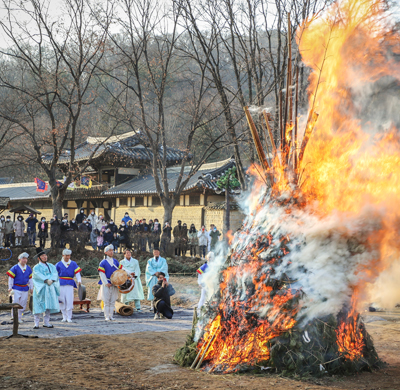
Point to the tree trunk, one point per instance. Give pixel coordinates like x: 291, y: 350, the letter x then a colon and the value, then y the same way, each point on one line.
x: 169, y: 205
x: 57, y: 198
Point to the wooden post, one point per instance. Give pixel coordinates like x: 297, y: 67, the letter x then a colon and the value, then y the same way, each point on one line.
x: 15, y: 321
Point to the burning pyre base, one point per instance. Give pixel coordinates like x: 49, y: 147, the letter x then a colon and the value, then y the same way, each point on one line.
x: 255, y: 321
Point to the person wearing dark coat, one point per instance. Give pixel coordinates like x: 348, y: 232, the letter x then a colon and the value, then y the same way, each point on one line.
x: 166, y: 237
x: 64, y: 228
x: 31, y: 222
x: 107, y: 237
x: 81, y: 216
x: 136, y: 234
x: 84, y: 233
x: 113, y: 227
x: 145, y: 235
x: 162, y: 299
x: 123, y: 233
x: 73, y: 225
x: 55, y: 232
x: 43, y: 232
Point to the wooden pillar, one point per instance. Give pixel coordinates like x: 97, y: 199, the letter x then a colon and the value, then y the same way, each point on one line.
x: 15, y: 321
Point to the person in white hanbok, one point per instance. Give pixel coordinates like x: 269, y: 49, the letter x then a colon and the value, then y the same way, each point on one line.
x: 132, y: 266
x: 201, y: 275
x: 155, y: 264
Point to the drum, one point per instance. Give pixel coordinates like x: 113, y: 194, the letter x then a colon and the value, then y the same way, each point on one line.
x: 127, y: 286
x: 82, y: 292
x: 119, y: 277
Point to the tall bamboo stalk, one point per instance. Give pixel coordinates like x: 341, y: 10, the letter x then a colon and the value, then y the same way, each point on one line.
x: 260, y: 151
x: 296, y: 123
x: 271, y: 138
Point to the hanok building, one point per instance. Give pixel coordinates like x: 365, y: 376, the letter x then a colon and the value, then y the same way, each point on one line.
x: 121, y: 182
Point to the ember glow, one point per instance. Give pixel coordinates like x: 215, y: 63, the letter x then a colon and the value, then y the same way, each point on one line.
x: 326, y: 229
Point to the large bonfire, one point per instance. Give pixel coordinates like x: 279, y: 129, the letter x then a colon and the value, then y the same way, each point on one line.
x: 322, y: 217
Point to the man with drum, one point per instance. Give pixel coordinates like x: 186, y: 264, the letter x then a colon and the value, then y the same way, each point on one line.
x: 67, y: 269
x: 108, y: 292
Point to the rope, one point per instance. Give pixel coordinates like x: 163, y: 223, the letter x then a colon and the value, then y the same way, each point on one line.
x: 10, y: 254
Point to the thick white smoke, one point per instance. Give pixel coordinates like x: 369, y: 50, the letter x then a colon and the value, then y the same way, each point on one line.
x: 329, y: 255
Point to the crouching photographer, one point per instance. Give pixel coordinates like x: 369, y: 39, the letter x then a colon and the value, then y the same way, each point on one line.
x: 162, y: 293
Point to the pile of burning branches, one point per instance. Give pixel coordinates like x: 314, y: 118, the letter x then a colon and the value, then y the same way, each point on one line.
x: 320, y: 224
x: 256, y: 320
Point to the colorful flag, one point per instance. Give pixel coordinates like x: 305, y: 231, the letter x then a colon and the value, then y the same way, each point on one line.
x: 41, y: 186
x: 86, y: 182
x: 59, y: 183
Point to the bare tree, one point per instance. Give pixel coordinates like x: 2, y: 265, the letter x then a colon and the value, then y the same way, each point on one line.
x: 47, y: 81
x: 155, y: 89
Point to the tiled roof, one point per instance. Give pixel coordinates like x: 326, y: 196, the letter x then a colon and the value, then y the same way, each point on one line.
x: 20, y: 191
x: 146, y: 184
x: 131, y: 147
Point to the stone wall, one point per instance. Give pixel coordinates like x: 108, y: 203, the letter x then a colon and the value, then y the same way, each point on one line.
x: 217, y: 218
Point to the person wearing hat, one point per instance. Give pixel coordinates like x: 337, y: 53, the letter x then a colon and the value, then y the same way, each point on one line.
x: 136, y: 295
x: 46, y: 290
x: 108, y: 292
x: 20, y: 282
x: 67, y: 269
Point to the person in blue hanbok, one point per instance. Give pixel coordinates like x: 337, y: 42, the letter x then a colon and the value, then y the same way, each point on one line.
x: 131, y: 265
x: 46, y: 290
x: 155, y: 264
x: 108, y: 293
x: 67, y: 270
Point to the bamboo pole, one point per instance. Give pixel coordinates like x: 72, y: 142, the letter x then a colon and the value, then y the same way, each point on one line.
x: 290, y: 105
x: 296, y: 108
x: 197, y: 357
x: 207, y: 347
x: 281, y: 130
x: 288, y: 100
x: 260, y: 151
x: 312, y: 119
x: 271, y: 138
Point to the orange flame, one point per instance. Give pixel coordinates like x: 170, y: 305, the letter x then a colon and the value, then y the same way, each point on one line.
x: 350, y: 339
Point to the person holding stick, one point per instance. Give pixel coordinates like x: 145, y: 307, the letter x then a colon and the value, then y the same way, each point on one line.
x: 20, y: 282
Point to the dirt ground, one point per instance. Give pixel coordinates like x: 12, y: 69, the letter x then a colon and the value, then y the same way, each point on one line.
x: 145, y: 361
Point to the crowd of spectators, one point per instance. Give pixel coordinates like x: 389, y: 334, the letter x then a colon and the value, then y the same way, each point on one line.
x: 94, y: 230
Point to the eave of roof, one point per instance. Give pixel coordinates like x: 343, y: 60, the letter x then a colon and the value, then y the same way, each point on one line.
x: 145, y: 185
